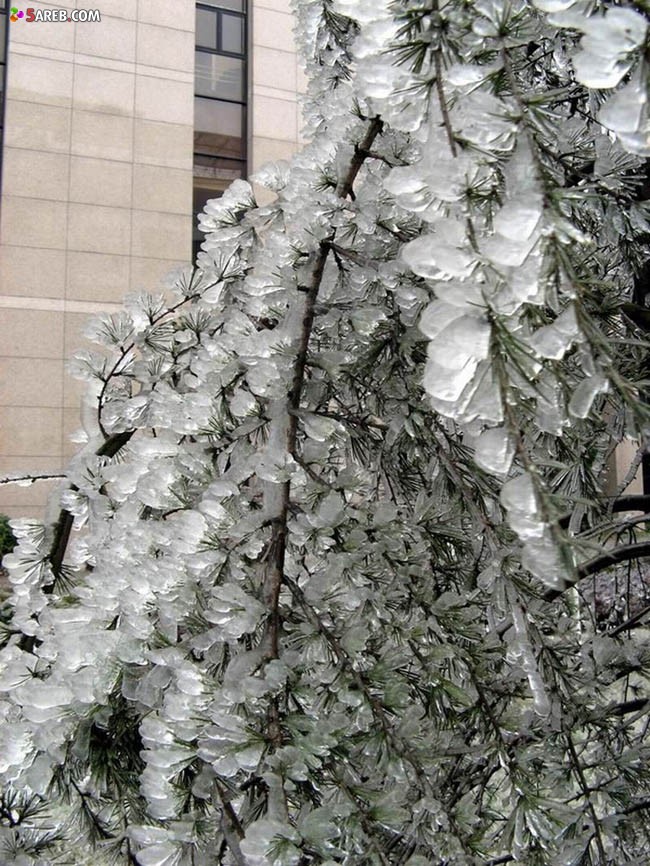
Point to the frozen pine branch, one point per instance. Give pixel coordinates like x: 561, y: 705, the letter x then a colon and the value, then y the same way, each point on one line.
x: 324, y: 587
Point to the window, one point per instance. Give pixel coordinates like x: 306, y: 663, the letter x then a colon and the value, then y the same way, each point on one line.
x: 220, y: 90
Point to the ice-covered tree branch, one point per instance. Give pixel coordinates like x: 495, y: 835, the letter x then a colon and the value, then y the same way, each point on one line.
x: 344, y: 522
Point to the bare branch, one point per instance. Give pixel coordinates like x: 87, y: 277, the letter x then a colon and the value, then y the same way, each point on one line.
x: 631, y: 622
x: 21, y: 479
x: 600, y: 563
x: 633, y: 469
x: 442, y: 99
x: 65, y: 522
x: 230, y: 824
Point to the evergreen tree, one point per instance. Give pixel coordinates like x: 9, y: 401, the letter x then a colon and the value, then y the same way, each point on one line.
x: 324, y: 585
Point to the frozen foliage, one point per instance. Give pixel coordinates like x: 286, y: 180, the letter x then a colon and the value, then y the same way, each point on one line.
x: 315, y: 592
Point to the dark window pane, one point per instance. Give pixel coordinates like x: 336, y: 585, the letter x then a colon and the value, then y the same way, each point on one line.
x: 206, y: 28
x: 211, y: 178
x: 202, y: 194
x: 232, y: 34
x: 221, y: 167
x: 219, y: 128
x: 233, y: 5
x: 218, y: 76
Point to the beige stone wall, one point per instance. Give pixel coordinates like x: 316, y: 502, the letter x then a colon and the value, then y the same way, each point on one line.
x: 619, y: 467
x: 97, y: 191
x: 97, y: 197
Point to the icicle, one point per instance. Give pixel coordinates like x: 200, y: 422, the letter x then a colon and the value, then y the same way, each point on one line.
x: 495, y: 450
x: 555, y: 340
x: 525, y: 651
x: 585, y: 393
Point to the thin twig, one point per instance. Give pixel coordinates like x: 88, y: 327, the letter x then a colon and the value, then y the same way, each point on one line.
x: 600, y: 563
x: 577, y: 768
x: 17, y: 479
x: 633, y: 469
x: 444, y: 110
x: 630, y: 622
x: 230, y: 825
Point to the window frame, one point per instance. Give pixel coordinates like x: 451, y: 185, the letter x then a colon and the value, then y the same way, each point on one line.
x: 219, y: 4
x: 244, y: 57
x: 238, y: 162
x: 218, y: 15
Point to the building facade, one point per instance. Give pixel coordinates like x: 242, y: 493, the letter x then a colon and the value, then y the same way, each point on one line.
x: 115, y: 133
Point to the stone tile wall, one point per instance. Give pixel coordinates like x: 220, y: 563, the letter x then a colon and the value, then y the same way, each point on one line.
x: 97, y: 191
x: 96, y: 202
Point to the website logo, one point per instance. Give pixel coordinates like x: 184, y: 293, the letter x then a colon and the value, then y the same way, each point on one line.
x: 38, y: 15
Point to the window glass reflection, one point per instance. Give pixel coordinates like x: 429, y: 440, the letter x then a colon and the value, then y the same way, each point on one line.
x: 220, y: 77
x: 219, y: 128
